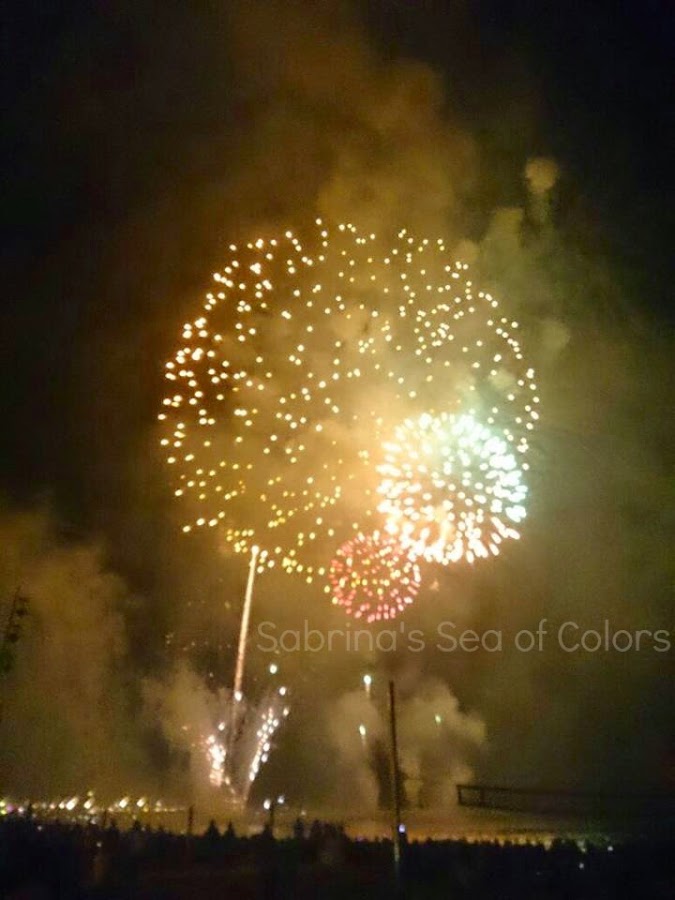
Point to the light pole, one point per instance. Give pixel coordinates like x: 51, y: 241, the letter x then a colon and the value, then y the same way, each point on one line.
x: 270, y: 806
x: 396, y: 777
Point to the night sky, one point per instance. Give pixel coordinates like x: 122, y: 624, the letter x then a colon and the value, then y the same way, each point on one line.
x: 141, y: 139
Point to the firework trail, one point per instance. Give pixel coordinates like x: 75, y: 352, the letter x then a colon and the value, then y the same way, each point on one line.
x: 245, y: 616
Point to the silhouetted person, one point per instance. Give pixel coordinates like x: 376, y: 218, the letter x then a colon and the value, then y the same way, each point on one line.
x: 211, y: 839
x: 299, y: 829
x: 268, y: 863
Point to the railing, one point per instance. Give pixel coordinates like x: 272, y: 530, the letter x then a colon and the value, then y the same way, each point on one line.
x: 543, y: 800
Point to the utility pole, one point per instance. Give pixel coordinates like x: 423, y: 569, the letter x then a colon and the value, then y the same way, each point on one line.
x: 18, y: 609
x: 396, y: 778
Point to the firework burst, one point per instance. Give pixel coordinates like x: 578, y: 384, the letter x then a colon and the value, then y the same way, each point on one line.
x: 311, y: 360
x: 452, y: 489
x: 373, y: 577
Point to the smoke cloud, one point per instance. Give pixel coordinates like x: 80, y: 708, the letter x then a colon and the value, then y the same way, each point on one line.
x: 68, y: 702
x: 211, y: 127
x: 439, y: 745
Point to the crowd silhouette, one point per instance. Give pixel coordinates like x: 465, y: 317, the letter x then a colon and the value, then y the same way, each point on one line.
x: 44, y: 860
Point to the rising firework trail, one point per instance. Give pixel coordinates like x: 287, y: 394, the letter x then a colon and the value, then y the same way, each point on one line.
x: 237, y: 695
x: 245, y: 616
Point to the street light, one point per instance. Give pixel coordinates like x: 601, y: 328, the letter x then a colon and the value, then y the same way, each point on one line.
x: 270, y: 806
